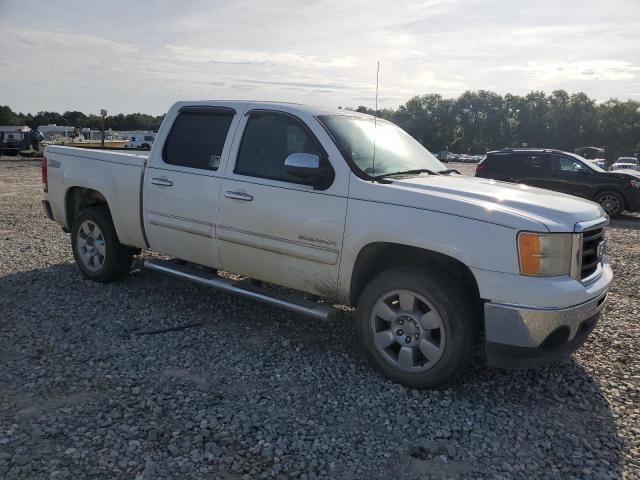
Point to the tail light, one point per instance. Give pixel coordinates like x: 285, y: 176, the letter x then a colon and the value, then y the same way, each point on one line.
x: 45, y: 179
x: 479, y: 168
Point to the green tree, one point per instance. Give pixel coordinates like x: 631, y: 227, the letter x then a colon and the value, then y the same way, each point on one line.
x: 9, y: 117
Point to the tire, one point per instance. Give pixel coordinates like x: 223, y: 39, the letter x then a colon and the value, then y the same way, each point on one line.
x: 438, y: 302
x: 145, y: 146
x: 98, y: 253
x: 611, y: 202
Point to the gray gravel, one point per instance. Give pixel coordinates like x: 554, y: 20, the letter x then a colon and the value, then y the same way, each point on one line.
x: 257, y: 393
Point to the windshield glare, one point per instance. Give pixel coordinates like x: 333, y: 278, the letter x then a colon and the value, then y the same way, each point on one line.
x: 395, y: 150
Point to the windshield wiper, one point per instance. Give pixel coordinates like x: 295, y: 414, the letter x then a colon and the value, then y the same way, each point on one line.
x: 405, y: 172
x: 448, y: 171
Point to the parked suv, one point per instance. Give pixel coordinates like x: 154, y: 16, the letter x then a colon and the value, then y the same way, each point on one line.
x: 564, y: 172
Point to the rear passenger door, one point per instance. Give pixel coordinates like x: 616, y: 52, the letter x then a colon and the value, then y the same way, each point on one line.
x: 182, y: 184
x: 534, y: 169
x: 273, y: 226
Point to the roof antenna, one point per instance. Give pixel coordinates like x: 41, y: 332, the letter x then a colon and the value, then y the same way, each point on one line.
x: 375, y: 123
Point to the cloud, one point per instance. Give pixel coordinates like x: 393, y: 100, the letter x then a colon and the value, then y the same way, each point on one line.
x: 128, y: 57
x: 256, y: 57
x: 578, y: 70
x: 329, y: 86
x: 50, y: 41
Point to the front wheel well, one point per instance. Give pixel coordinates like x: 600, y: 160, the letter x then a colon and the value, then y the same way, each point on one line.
x: 615, y: 191
x: 79, y: 198
x: 602, y: 190
x: 377, y: 257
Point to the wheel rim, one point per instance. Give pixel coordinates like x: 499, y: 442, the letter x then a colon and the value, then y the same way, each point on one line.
x: 91, y: 246
x: 610, y: 203
x: 407, y: 331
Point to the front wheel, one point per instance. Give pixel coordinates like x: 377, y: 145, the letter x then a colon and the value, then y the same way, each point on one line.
x: 96, y: 248
x: 611, y: 202
x: 419, y: 329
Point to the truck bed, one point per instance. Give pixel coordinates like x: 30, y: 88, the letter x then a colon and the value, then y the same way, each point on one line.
x: 127, y: 158
x: 116, y: 176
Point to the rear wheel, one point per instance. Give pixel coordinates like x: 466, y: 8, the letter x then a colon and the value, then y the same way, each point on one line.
x: 96, y: 249
x: 611, y: 202
x: 419, y: 329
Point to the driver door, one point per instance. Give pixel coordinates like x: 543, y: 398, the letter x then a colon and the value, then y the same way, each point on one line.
x: 570, y: 176
x: 273, y: 226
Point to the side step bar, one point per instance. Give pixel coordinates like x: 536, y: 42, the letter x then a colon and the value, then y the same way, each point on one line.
x: 320, y: 311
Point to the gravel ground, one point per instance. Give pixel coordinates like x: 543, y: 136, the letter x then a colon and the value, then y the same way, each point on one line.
x: 90, y: 389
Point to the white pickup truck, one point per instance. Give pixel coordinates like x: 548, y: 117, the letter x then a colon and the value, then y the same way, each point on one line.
x: 344, y: 209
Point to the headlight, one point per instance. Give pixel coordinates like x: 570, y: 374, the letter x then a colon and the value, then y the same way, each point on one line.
x: 545, y: 254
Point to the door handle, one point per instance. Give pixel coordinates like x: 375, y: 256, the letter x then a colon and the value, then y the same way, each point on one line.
x: 239, y: 196
x: 165, y: 182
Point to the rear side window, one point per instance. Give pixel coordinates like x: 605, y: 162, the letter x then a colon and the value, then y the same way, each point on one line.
x: 500, y: 163
x: 197, y: 138
x: 535, y: 163
x: 268, y: 139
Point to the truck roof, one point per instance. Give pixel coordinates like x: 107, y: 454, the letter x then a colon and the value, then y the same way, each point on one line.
x: 311, y: 109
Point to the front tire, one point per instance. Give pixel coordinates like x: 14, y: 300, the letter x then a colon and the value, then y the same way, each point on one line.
x: 97, y: 251
x: 611, y: 202
x: 419, y: 329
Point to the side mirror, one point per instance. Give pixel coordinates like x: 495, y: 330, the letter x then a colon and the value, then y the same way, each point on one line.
x: 304, y: 165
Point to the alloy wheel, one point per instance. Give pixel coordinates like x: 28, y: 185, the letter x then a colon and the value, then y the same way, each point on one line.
x: 91, y: 246
x: 407, y: 331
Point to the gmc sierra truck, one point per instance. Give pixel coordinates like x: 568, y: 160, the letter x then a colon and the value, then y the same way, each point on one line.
x: 343, y: 208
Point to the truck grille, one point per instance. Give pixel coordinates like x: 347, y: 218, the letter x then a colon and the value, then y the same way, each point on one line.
x: 592, y: 251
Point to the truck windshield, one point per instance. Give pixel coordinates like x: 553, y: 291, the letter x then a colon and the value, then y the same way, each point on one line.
x: 395, y: 150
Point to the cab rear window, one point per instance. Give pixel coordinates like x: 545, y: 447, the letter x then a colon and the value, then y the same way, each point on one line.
x: 197, y: 137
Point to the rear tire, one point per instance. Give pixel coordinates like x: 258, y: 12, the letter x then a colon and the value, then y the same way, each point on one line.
x: 98, y: 253
x: 428, y: 333
x: 611, y: 202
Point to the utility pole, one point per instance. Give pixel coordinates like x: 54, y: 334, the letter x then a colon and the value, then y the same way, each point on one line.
x: 103, y: 114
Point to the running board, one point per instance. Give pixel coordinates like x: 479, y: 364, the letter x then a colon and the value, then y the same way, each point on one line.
x: 320, y: 311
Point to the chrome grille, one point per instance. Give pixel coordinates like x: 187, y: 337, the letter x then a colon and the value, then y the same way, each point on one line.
x: 592, y: 251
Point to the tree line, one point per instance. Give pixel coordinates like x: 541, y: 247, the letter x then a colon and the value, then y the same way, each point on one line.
x: 132, y: 121
x: 478, y: 121
x: 475, y: 122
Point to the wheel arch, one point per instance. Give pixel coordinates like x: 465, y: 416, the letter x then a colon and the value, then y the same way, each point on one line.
x: 374, y: 258
x: 614, y: 189
x: 78, y: 198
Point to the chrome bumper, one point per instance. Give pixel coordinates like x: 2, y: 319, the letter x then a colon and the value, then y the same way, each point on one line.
x: 529, y: 327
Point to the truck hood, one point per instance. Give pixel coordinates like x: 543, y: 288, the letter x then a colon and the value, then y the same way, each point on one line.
x: 508, y: 204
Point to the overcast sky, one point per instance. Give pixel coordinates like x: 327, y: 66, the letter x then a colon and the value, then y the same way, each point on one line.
x: 130, y: 56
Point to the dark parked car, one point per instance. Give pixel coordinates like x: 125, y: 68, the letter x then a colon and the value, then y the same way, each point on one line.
x: 564, y: 172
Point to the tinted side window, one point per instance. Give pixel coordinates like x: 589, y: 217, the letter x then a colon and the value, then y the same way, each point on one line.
x: 267, y: 141
x: 500, y: 163
x: 535, y: 163
x: 197, y: 138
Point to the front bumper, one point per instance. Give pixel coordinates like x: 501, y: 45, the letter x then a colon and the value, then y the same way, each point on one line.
x: 527, y: 337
